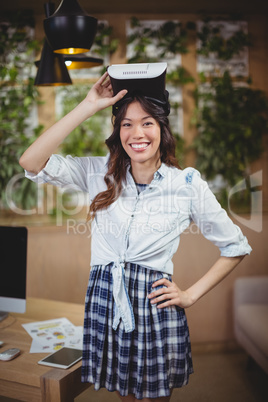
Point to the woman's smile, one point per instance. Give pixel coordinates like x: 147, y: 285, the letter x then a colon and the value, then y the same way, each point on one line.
x: 141, y: 146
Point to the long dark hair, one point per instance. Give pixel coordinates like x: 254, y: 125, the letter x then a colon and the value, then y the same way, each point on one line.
x: 119, y: 160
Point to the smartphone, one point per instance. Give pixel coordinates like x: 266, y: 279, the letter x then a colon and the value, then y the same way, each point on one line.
x: 62, y: 358
x: 9, y: 354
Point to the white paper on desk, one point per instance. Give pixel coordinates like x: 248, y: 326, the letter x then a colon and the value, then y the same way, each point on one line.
x: 51, y: 335
x: 75, y: 342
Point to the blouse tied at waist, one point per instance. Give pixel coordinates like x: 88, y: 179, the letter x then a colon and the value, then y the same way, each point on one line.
x: 122, y: 306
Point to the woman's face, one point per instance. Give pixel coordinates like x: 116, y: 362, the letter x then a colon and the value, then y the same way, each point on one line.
x: 140, y: 136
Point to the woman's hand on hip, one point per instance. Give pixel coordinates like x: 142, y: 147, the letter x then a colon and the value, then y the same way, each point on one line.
x: 170, y: 295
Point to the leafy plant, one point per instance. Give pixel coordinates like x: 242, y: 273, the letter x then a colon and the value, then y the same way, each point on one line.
x: 171, y: 37
x: 231, y: 121
x: 104, y: 44
x: 18, y: 96
x: 180, y: 76
x: 212, y: 41
x: 88, y: 138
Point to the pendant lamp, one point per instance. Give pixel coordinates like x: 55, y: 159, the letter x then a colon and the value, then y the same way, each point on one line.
x: 52, y: 70
x: 78, y: 61
x: 70, y: 30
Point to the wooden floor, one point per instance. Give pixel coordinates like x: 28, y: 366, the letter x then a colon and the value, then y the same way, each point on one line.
x: 218, y: 377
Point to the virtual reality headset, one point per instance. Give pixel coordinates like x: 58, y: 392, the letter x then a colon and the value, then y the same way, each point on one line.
x: 147, y: 79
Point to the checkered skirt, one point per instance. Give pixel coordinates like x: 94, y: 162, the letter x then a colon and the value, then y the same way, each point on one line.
x: 147, y: 362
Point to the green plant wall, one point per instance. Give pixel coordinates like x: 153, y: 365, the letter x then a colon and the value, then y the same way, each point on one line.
x: 18, y: 97
x: 230, y: 117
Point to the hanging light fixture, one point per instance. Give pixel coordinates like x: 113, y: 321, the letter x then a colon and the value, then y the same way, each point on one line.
x: 70, y: 30
x: 78, y: 61
x: 52, y: 70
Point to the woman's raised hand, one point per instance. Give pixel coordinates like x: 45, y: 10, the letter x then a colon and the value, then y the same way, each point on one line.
x: 99, y: 97
x: 101, y: 94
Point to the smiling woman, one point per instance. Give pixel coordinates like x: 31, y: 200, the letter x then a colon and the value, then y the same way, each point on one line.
x: 140, y: 137
x: 136, y: 337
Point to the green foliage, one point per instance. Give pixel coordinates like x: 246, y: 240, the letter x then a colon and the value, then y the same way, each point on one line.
x: 104, y: 43
x: 230, y: 116
x: 180, y: 76
x: 212, y: 41
x: 231, y: 121
x: 170, y: 38
x: 88, y: 138
x: 18, y: 96
x: 180, y: 148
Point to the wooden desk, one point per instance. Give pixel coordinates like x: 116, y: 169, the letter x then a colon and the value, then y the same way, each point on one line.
x: 24, y: 379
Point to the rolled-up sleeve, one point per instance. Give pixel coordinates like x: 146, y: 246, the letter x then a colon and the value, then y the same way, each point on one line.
x: 213, y: 220
x: 76, y: 173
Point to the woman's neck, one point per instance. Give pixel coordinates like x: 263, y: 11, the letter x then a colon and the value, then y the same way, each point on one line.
x: 143, y: 174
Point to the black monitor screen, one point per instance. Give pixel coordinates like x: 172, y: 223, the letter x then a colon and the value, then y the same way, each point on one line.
x: 13, y: 262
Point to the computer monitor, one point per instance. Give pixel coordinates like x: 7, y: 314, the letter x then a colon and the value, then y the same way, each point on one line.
x: 13, y: 265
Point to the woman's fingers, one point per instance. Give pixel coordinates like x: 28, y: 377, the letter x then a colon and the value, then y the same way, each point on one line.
x: 164, y: 292
x: 168, y: 303
x: 101, y: 94
x: 162, y: 281
x: 102, y: 78
x: 119, y: 96
x: 169, y: 295
x: 105, y: 83
x: 103, y: 86
x: 164, y: 296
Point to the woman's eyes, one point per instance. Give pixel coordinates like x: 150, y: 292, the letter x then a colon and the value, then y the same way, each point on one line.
x: 146, y: 124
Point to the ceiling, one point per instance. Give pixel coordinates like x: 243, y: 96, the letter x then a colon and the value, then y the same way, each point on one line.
x: 150, y: 6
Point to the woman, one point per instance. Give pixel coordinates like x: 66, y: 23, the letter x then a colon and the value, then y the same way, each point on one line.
x: 136, y: 338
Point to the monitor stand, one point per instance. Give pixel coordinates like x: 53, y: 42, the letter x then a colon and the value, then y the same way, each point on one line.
x: 3, y: 315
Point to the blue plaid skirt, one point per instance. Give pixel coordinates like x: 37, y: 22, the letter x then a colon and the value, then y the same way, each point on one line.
x: 147, y: 362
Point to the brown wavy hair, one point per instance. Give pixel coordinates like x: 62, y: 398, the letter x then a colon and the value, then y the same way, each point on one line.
x: 119, y: 160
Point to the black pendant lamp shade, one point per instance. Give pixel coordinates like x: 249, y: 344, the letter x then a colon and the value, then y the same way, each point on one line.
x: 70, y: 30
x: 52, y: 70
x: 78, y: 61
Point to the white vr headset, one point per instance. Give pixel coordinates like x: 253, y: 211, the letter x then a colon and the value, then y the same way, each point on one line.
x: 147, y: 79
